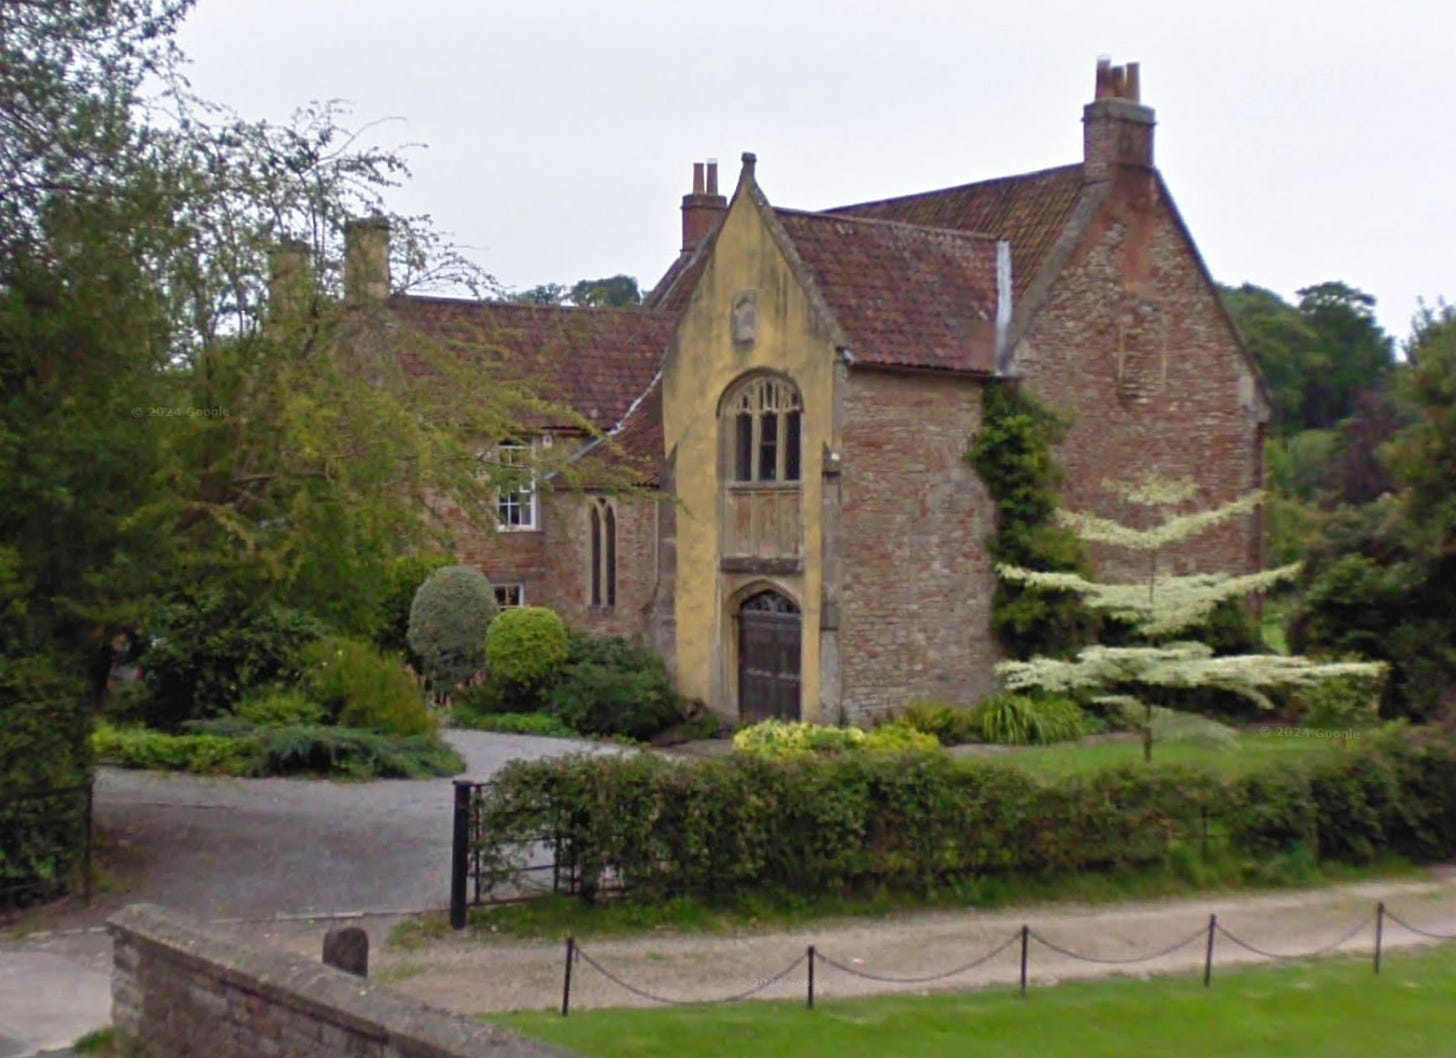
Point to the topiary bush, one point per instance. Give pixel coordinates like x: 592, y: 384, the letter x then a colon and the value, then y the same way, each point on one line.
x: 525, y: 650
x: 448, y: 620
x: 610, y: 686
x: 362, y: 688
x: 406, y: 575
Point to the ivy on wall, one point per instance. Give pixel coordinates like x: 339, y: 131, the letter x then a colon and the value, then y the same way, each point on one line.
x: 1013, y: 453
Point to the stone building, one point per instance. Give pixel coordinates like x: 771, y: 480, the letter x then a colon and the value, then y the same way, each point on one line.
x: 796, y: 398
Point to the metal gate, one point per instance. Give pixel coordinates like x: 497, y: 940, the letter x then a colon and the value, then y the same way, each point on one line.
x: 770, y: 635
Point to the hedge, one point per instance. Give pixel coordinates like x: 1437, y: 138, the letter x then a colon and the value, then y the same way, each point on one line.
x: 718, y: 826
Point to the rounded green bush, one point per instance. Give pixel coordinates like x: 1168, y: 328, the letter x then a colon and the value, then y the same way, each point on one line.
x: 900, y: 738
x: 448, y: 621
x: 526, y: 647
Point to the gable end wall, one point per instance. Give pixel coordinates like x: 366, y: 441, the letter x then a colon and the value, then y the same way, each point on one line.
x: 1132, y: 345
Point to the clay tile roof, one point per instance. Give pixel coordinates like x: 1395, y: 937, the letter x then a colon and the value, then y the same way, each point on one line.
x: 676, y: 286
x: 639, y: 438
x: 595, y: 361
x: 905, y: 296
x: 1030, y: 211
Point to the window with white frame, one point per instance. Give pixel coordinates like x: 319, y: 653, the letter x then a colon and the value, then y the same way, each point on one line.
x: 765, y: 422
x: 516, y: 501
x: 603, y: 532
x: 508, y: 596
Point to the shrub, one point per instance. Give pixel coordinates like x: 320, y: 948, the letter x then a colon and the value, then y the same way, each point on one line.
x: 613, y: 687
x: 447, y: 624
x: 1022, y: 720
x: 787, y: 740
x: 900, y: 738
x: 206, y: 653
x: 1339, y: 704
x: 514, y: 723
x: 276, y: 706
x: 949, y: 725
x: 300, y: 749
x: 353, y: 753
x: 525, y: 650
x: 137, y: 747
x: 363, y: 688
x: 406, y: 574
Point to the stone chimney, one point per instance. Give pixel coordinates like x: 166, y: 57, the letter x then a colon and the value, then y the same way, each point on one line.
x: 366, y: 260
x: 1117, y: 130
x: 702, y: 211
x: 290, y: 280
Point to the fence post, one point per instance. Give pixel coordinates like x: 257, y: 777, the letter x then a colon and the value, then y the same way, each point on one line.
x: 1208, y: 956
x: 86, y: 846
x: 811, y: 954
x: 566, y: 982
x: 1379, y: 931
x: 460, y: 854
x: 1025, y: 956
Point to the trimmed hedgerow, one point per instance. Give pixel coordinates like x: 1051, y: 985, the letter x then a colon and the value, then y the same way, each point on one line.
x: 849, y: 821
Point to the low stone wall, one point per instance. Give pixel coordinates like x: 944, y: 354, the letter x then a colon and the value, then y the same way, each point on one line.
x: 180, y: 988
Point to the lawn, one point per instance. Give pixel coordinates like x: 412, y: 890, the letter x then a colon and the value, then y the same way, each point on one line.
x: 1317, y: 1010
x: 1253, y: 751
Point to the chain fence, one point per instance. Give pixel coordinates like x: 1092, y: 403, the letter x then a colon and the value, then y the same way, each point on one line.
x: 815, y: 962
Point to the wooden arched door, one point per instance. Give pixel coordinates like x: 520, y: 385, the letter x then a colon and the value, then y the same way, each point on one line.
x: 770, y: 648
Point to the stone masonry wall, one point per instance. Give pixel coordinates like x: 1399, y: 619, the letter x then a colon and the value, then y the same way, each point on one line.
x: 179, y: 989
x: 917, y: 580
x: 1133, y: 347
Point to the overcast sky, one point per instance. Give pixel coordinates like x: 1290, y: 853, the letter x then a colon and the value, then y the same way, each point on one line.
x: 1303, y: 141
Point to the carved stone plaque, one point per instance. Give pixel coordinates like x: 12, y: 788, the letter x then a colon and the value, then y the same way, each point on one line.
x: 745, y: 318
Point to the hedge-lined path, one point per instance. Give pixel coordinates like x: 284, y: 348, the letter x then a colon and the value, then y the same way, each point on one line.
x: 473, y: 976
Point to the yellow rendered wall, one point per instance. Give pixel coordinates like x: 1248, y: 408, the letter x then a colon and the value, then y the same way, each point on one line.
x: 702, y: 364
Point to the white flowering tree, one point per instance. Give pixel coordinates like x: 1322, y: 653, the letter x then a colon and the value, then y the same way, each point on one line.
x: 1151, y: 677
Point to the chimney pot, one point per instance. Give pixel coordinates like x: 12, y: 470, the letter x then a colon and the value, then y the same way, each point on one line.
x: 1117, y: 130
x: 703, y: 209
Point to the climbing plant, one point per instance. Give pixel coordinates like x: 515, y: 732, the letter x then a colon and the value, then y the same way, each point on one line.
x: 1013, y: 453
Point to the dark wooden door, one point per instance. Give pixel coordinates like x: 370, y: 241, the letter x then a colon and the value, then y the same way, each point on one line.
x: 770, y: 636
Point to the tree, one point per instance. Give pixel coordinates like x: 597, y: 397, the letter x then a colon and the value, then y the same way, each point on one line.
x: 1153, y: 676
x: 619, y: 291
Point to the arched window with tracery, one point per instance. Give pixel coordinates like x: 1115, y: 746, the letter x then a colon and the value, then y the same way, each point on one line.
x: 603, y: 531
x: 764, y: 422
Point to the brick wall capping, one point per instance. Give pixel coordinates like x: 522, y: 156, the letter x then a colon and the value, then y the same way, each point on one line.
x: 317, y: 991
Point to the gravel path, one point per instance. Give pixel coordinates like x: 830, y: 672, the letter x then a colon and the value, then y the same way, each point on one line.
x: 472, y: 976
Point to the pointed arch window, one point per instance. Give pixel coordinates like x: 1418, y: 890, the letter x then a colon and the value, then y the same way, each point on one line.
x: 766, y: 423
x: 602, y: 519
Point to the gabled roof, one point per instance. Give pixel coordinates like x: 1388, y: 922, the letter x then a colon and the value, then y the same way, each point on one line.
x: 595, y: 361
x: 903, y: 295
x: 1030, y: 211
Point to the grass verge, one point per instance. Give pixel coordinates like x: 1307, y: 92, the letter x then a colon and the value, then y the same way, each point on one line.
x: 1331, y: 1009
x: 1254, y: 751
